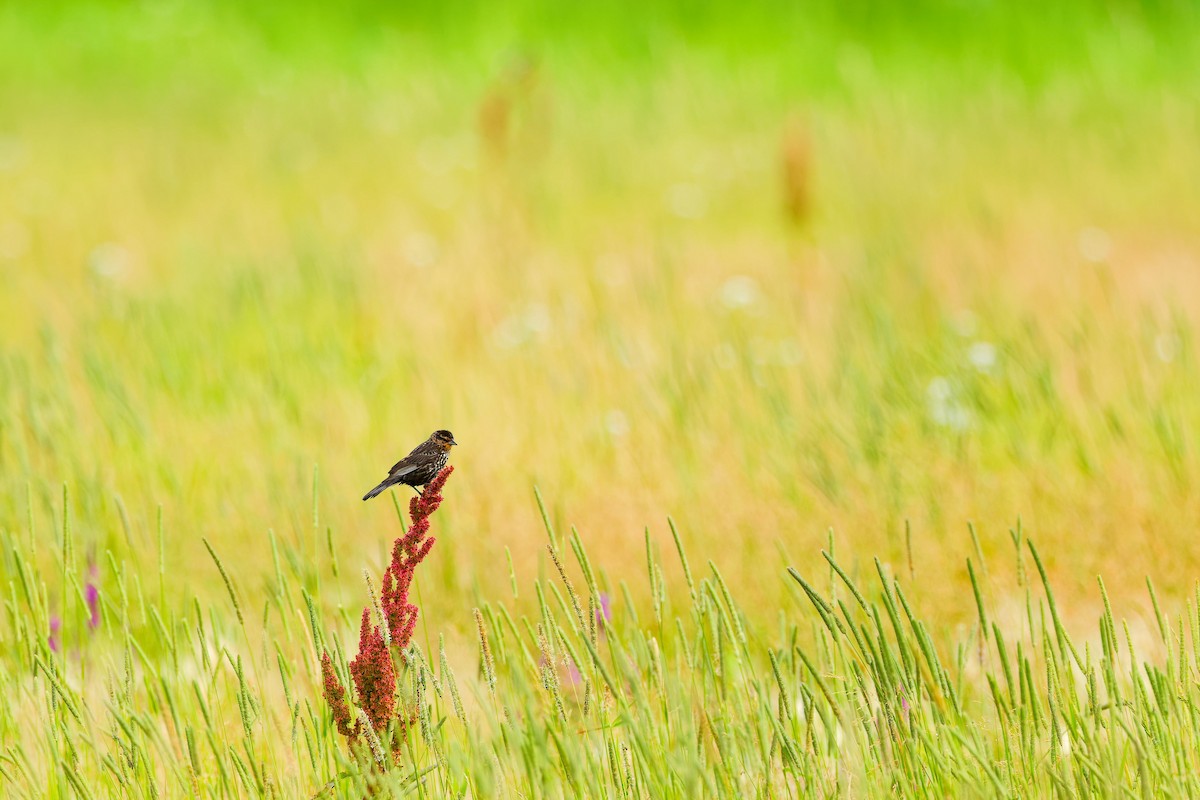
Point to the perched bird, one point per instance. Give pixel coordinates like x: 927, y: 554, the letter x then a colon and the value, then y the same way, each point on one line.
x: 421, y: 465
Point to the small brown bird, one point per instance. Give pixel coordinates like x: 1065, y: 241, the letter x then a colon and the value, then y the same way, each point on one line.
x: 421, y: 465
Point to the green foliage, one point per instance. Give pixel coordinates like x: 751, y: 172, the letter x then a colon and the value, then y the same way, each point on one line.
x: 857, y: 699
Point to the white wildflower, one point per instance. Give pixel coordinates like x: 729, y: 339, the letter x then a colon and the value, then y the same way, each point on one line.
x: 740, y: 291
x: 1095, y: 245
x: 982, y: 356
x: 1166, y: 347
x: 616, y: 423
x: 687, y: 201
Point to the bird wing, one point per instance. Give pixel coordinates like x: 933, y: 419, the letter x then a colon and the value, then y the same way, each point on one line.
x: 408, y: 463
x: 401, y: 469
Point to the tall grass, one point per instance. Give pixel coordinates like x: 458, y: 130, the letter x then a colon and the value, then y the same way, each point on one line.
x: 318, y: 255
x: 851, y: 692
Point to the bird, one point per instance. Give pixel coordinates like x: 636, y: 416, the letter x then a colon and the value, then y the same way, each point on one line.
x: 421, y: 465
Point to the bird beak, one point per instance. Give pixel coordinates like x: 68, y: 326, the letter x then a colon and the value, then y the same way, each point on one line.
x: 453, y: 443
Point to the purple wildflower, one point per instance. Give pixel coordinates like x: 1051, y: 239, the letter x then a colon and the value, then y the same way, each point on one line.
x: 604, y: 612
x: 55, y: 628
x: 92, y: 593
x: 93, y: 604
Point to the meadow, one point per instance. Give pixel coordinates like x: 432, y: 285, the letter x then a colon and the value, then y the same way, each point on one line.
x: 824, y: 373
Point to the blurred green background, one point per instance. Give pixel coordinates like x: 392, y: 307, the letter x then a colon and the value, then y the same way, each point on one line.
x: 770, y: 268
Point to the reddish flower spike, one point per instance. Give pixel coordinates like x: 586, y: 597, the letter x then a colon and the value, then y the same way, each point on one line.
x: 335, y: 695
x: 372, y: 670
x: 374, y: 676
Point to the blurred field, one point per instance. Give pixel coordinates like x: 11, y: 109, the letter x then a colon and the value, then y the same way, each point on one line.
x: 770, y: 270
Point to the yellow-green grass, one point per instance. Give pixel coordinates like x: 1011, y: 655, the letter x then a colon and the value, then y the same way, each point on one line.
x: 237, y: 250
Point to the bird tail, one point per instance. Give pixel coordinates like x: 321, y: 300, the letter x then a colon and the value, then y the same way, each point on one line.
x: 376, y: 490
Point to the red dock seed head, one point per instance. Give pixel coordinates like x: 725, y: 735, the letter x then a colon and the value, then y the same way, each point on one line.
x: 373, y: 671
x: 374, y: 676
x: 407, y: 552
x: 335, y: 695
